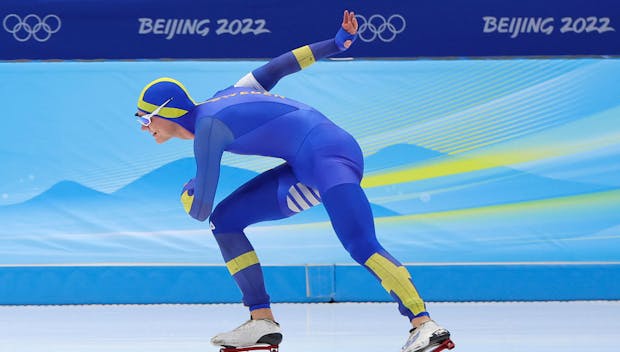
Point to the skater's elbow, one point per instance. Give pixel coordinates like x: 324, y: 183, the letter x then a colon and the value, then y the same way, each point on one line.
x: 202, y: 212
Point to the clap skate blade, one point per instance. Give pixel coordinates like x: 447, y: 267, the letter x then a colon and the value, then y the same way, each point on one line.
x: 447, y: 344
x: 269, y: 348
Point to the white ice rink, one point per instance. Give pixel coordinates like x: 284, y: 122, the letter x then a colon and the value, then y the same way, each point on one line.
x: 342, y: 327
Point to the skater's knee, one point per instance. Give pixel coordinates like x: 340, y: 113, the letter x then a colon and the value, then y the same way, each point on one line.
x: 223, y: 221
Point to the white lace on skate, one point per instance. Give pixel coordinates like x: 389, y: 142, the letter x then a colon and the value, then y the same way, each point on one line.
x: 250, y: 333
x: 428, y: 337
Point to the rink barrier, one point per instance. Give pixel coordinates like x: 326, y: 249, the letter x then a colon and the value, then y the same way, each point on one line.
x: 156, y: 284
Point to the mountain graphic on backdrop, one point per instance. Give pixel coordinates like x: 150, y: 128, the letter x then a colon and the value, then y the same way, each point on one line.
x: 151, y: 202
x: 68, y: 192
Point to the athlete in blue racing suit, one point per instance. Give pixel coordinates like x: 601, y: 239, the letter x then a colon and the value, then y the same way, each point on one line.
x: 323, y: 164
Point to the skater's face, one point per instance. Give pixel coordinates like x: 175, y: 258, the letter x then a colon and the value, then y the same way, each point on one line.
x: 161, y: 129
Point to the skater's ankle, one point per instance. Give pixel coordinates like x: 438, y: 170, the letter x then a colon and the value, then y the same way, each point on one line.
x: 262, y: 313
x: 416, y: 322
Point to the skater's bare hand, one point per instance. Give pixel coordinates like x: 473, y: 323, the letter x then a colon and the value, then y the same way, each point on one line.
x: 349, y: 24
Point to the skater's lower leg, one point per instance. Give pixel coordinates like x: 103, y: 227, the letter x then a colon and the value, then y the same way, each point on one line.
x: 352, y: 219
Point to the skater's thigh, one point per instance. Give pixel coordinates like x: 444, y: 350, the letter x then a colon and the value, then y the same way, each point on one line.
x: 274, y: 194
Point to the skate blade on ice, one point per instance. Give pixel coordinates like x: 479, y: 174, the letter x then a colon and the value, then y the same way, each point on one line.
x: 269, y: 348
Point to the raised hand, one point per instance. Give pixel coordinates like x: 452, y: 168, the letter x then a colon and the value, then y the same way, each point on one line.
x: 349, y: 24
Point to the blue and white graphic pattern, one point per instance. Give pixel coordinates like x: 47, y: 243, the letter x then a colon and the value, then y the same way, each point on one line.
x: 301, y: 197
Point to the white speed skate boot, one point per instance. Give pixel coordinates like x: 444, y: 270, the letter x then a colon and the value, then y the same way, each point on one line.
x: 428, y: 337
x: 260, y: 334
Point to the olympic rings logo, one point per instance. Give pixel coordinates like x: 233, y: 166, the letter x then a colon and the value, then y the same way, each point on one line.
x: 378, y: 27
x: 31, y: 26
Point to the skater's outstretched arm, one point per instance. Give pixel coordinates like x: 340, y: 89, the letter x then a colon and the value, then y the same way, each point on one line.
x: 266, y: 76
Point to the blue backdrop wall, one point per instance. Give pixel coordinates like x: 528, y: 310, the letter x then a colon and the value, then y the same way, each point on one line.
x: 495, y: 175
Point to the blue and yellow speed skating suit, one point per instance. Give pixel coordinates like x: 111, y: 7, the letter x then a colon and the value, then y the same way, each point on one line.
x: 323, y: 164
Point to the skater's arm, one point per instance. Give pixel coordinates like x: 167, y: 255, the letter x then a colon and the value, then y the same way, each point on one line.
x: 266, y: 76
x: 211, y: 137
